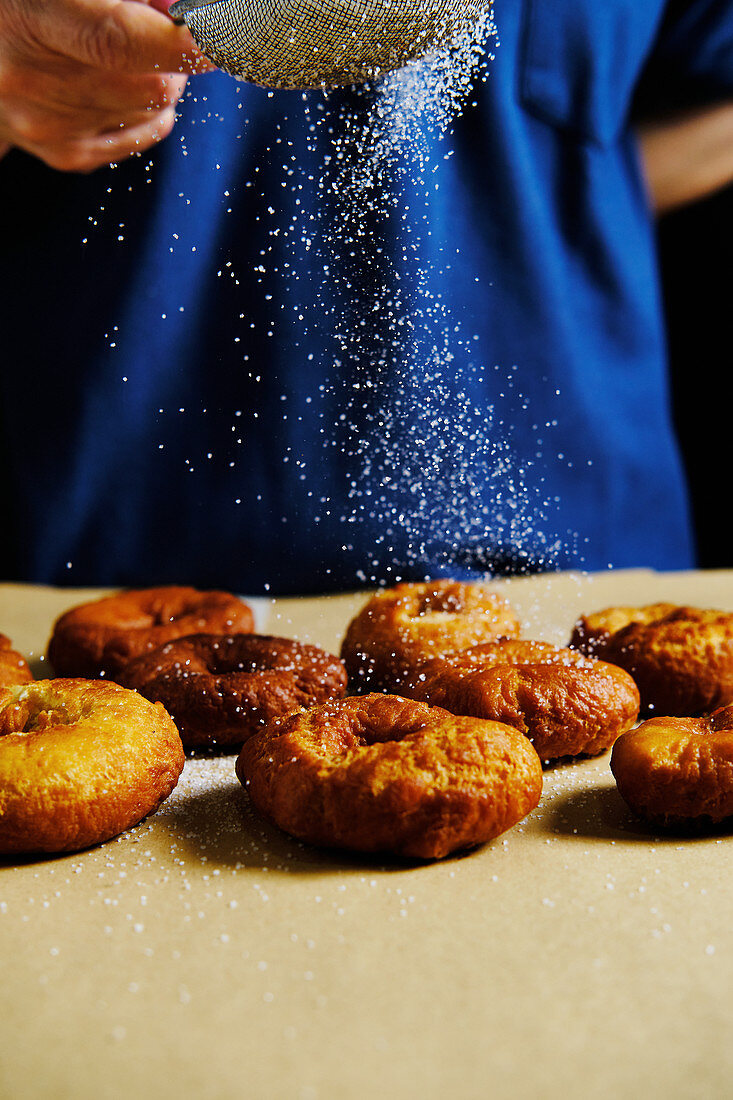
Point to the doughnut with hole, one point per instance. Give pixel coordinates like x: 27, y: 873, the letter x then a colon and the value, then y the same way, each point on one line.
x: 678, y: 771
x: 401, y: 627
x: 680, y: 657
x: 221, y: 689
x: 567, y: 704
x: 100, y: 637
x: 80, y: 762
x: 382, y: 773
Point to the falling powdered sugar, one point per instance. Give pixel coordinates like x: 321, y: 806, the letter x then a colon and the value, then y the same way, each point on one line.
x: 430, y: 467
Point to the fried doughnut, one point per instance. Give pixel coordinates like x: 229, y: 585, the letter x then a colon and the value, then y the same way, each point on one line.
x: 680, y: 657
x: 13, y: 666
x: 401, y: 627
x: 221, y: 689
x: 80, y: 761
x: 99, y: 638
x: 678, y: 771
x: 564, y: 702
x: 381, y: 773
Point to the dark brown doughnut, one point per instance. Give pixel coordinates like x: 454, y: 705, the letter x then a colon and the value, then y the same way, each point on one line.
x: 221, y: 689
x: 680, y: 657
x: 678, y: 771
x: 564, y: 702
x: 100, y: 637
x: 400, y: 628
x: 381, y: 773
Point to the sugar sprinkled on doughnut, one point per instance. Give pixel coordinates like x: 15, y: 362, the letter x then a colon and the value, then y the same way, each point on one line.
x: 680, y: 657
x: 566, y: 703
x: 80, y: 761
x: 383, y: 773
x: 220, y: 689
x: 399, y: 628
x: 14, y: 668
x: 100, y: 637
x: 677, y: 770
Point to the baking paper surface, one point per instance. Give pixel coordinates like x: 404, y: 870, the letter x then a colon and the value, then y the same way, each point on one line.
x: 205, y: 954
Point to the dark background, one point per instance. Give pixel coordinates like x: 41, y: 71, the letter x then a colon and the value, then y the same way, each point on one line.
x: 696, y: 250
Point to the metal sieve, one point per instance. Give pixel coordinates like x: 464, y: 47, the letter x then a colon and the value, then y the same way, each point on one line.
x: 320, y: 43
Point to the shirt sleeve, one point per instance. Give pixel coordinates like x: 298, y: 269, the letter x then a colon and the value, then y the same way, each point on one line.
x: 692, y: 61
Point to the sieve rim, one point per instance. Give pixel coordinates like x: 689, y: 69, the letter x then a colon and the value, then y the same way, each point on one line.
x: 180, y: 7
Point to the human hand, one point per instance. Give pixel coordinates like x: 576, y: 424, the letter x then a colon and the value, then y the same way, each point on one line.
x: 89, y: 82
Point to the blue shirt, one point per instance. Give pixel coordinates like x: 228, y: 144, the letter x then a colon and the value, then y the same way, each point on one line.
x: 217, y: 372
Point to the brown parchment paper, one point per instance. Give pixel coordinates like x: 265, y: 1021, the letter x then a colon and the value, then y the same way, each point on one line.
x: 205, y: 954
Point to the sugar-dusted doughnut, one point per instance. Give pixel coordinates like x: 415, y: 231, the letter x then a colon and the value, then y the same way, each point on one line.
x: 13, y: 665
x: 99, y: 638
x: 564, y: 702
x: 221, y: 689
x: 382, y: 773
x: 80, y: 761
x: 401, y: 627
x: 678, y: 771
x: 680, y: 657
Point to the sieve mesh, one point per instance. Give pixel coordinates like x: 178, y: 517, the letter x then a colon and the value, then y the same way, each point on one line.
x: 319, y: 43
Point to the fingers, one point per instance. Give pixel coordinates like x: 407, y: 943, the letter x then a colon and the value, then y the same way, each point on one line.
x: 124, y: 36
x: 84, y: 154
x: 87, y: 82
x: 58, y: 112
x: 52, y: 92
x: 36, y: 130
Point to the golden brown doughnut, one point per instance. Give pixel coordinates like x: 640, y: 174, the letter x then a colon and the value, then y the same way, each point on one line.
x: 401, y: 627
x: 13, y: 666
x: 381, y: 773
x: 564, y: 702
x: 100, y: 637
x: 80, y: 761
x: 678, y: 771
x: 221, y: 689
x: 680, y: 657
